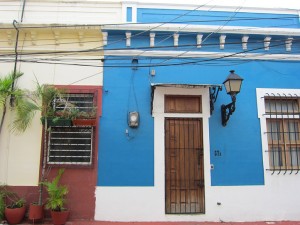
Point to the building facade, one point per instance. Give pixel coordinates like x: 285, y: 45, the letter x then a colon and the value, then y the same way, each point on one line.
x: 155, y: 72
x: 166, y: 66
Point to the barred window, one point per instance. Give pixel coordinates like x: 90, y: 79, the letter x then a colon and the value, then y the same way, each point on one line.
x: 73, y: 143
x: 283, y: 131
x: 70, y: 145
x: 81, y: 101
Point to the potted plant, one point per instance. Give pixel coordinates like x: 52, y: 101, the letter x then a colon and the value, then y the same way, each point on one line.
x: 3, y: 193
x: 11, y: 206
x: 15, y: 212
x: 36, y: 211
x: 85, y: 118
x: 56, y: 199
x: 39, y: 100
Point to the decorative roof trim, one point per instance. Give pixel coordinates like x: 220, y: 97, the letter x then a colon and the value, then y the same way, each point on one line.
x: 189, y: 28
x: 193, y: 54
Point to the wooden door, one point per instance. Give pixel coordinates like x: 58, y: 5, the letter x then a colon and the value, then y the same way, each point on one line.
x: 184, y: 170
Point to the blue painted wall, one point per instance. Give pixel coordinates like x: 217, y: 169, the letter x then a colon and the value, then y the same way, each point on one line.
x: 128, y: 159
x: 125, y: 160
x: 200, y: 17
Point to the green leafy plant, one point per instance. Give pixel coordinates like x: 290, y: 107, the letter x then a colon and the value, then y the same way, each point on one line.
x: 87, y: 115
x: 7, y: 90
x: 17, y: 203
x: 2, y: 202
x: 31, y: 102
x: 56, y: 193
x: 40, y: 100
x: 10, y: 197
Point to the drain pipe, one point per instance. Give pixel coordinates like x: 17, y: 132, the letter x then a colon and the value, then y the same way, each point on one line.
x: 15, y: 23
x: 16, y: 61
x: 23, y: 10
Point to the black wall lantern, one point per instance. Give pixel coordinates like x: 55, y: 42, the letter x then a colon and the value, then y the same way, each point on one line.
x: 232, y: 85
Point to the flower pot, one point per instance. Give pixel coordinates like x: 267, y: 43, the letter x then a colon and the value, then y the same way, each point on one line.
x: 15, y: 215
x: 59, y: 217
x: 36, y: 212
x: 84, y: 122
x: 57, y: 122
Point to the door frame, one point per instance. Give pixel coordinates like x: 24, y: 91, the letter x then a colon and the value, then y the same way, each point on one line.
x: 159, y: 134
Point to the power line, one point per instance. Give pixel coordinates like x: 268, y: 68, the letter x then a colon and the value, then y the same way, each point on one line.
x: 171, y: 22
x: 95, y: 49
x: 156, y: 65
x: 142, y: 32
x: 143, y: 47
x: 228, y: 20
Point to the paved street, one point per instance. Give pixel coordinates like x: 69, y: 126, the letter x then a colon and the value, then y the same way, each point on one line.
x: 170, y: 223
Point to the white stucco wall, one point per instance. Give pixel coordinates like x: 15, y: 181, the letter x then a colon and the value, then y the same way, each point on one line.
x: 20, y: 154
x: 61, y: 12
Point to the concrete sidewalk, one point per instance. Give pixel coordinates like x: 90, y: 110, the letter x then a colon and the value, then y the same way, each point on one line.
x: 183, y: 223
x: 81, y: 222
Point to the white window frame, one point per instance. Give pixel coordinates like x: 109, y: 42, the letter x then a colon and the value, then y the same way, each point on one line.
x: 261, y: 93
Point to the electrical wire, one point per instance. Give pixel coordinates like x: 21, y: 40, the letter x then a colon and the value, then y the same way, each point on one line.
x: 157, y: 26
x: 171, y: 22
x: 217, y: 30
x: 159, y: 65
x: 165, y: 47
x: 76, y: 52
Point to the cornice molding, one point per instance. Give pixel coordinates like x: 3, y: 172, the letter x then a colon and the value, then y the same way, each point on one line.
x: 212, y: 55
x: 29, y: 26
x: 188, y: 28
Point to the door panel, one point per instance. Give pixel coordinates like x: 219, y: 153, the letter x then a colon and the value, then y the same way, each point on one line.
x: 184, y: 174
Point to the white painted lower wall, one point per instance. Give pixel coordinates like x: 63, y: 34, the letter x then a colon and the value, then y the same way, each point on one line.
x: 238, y: 203
x: 277, y: 200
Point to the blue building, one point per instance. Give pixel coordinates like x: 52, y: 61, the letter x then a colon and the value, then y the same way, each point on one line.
x: 164, y: 152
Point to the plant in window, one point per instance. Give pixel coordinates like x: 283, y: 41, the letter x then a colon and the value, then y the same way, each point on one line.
x: 86, y: 118
x: 89, y: 114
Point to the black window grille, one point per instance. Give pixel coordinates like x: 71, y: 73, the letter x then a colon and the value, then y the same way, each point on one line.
x: 83, y: 102
x: 283, y: 131
x: 70, y: 145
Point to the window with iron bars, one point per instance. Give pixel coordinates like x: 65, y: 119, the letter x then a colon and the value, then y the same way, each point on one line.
x: 72, y: 145
x: 283, y: 131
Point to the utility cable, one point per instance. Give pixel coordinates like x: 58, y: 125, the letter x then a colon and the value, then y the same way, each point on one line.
x: 217, y: 30
x: 160, y: 65
x: 171, y: 22
x: 139, y: 48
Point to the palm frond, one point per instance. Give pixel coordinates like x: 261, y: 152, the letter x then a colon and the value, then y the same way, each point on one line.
x: 25, y: 111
